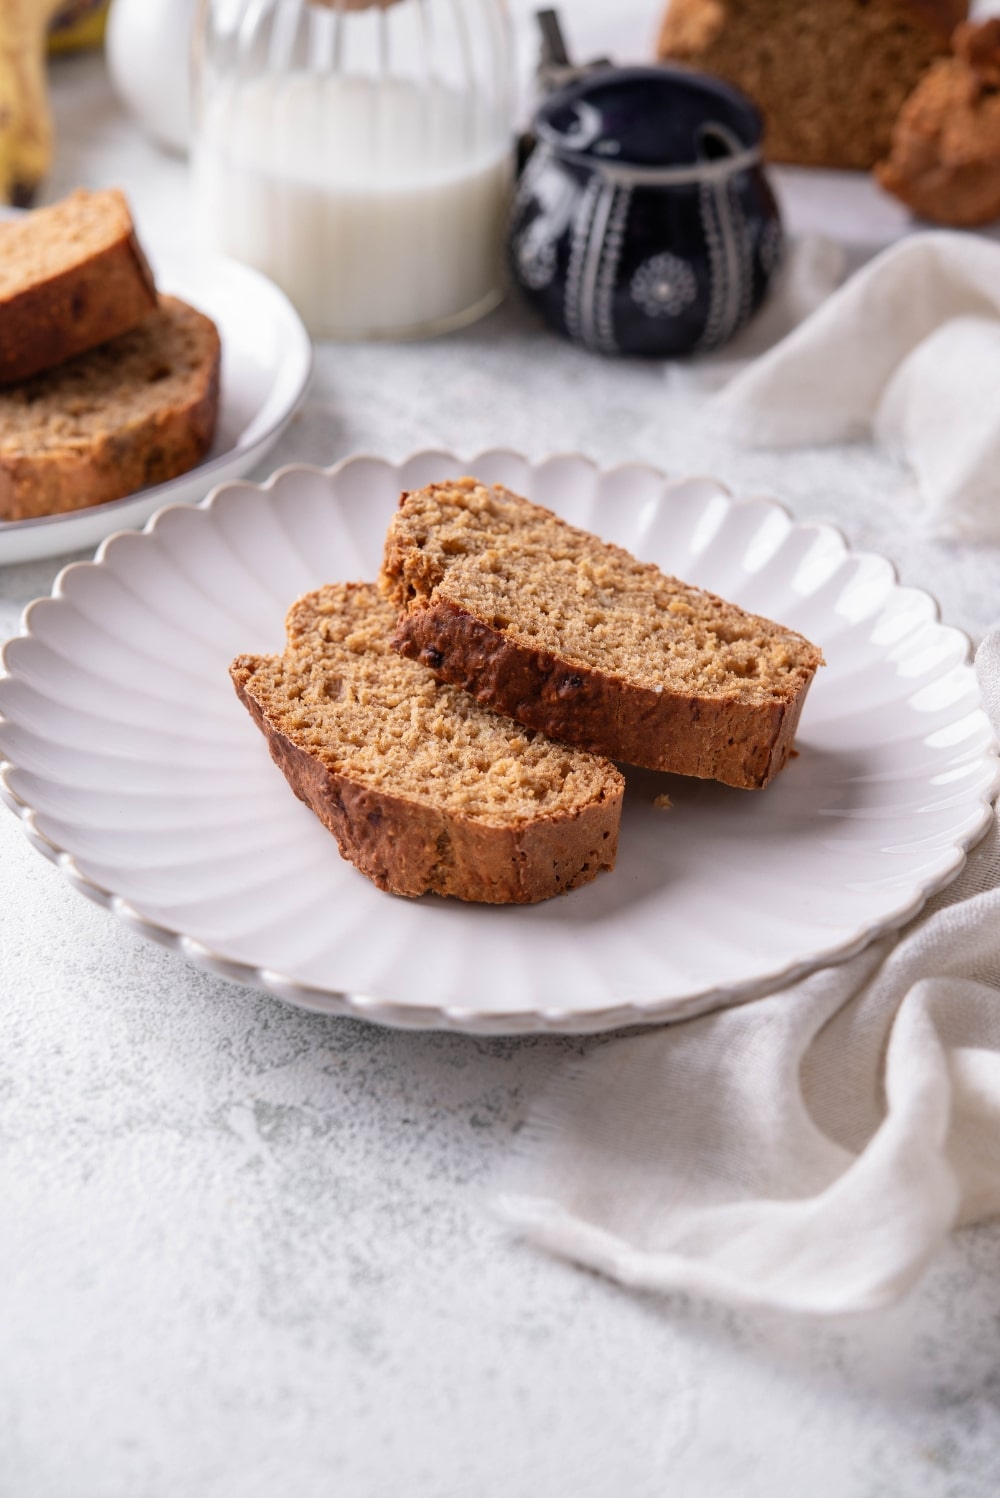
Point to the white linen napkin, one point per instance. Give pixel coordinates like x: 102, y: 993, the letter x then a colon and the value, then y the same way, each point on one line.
x: 907, y: 352
x: 810, y: 1150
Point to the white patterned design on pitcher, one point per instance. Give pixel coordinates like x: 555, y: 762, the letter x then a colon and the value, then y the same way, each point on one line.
x: 664, y: 286
x: 771, y: 247
x: 536, y: 256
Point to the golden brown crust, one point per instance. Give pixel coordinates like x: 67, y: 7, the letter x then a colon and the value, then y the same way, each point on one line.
x: 55, y: 318
x: 741, y: 744
x: 945, y: 157
x: 129, y: 452
x: 655, y: 700
x: 829, y: 76
x: 978, y: 48
x: 412, y: 848
x: 941, y: 15
x: 690, y: 27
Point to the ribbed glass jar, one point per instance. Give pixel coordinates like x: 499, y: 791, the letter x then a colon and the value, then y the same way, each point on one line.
x: 358, y: 152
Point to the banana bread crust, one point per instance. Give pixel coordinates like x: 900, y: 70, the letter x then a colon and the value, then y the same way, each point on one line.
x: 414, y: 840
x: 411, y: 848
x: 639, y: 667
x: 53, y: 319
x: 741, y: 744
x: 945, y: 157
x: 130, y: 450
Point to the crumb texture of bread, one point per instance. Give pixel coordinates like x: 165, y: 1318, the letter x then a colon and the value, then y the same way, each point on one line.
x: 829, y: 76
x: 424, y: 790
x: 945, y: 157
x: 573, y: 636
x: 136, y: 412
x: 72, y: 276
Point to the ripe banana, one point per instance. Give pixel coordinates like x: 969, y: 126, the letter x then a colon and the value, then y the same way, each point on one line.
x: 25, y: 121
x: 26, y: 134
x: 79, y: 25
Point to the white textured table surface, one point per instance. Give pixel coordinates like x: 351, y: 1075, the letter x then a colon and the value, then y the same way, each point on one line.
x: 245, y: 1250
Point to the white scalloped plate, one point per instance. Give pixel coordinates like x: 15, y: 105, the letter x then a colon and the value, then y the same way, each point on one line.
x: 132, y: 764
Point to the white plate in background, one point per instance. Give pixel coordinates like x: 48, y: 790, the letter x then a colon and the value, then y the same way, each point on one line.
x: 135, y: 768
x: 266, y: 364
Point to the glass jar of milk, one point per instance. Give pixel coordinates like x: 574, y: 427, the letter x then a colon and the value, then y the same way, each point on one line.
x: 358, y: 152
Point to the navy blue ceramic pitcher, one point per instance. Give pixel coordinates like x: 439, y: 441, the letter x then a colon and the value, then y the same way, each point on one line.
x: 643, y: 221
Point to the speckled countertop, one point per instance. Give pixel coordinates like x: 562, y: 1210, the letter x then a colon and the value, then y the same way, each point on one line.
x: 245, y: 1250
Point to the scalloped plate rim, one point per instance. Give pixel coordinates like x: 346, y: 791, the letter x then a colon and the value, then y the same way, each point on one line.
x: 416, y: 1016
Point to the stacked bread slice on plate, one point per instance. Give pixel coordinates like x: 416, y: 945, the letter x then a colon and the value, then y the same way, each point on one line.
x: 457, y: 727
x: 105, y: 386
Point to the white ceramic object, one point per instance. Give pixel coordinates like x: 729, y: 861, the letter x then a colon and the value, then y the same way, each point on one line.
x: 132, y: 764
x: 266, y: 364
x: 359, y: 154
x: 148, y: 47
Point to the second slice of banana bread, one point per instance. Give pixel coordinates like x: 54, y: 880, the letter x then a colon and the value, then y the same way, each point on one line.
x: 424, y: 790
x: 138, y: 411
x: 555, y: 628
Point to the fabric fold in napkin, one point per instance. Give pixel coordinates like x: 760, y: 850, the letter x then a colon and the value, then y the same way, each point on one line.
x: 906, y: 352
x: 810, y: 1150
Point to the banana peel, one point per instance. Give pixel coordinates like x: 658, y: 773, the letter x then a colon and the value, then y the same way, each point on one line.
x: 78, y: 26
x: 26, y: 130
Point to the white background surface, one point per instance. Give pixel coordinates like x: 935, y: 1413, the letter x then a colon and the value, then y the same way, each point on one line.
x: 245, y: 1250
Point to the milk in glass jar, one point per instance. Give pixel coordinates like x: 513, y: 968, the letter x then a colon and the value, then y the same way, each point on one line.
x: 358, y: 152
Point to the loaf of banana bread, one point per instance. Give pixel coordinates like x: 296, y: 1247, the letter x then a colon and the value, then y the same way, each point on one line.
x: 829, y: 76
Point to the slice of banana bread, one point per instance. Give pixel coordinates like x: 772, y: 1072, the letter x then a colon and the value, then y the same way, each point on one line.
x: 137, y: 411
x: 570, y: 635
x: 72, y: 276
x: 423, y: 790
x: 829, y: 76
